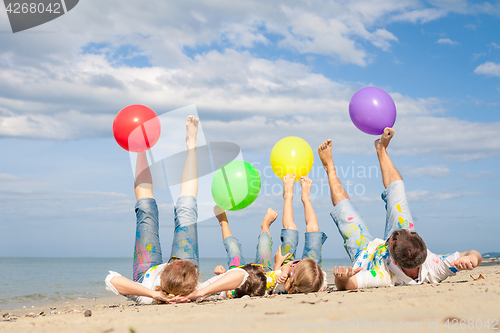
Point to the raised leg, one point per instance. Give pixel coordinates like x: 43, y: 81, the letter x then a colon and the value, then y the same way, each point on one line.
x: 289, y: 233
x: 344, y: 214
x: 389, y: 172
x: 337, y: 191
x: 189, y: 180
x: 185, y: 243
x: 396, y: 203
x: 264, y: 243
x: 232, y: 245
x: 147, y: 249
x: 310, y: 215
x: 314, y: 238
x: 143, y: 184
x: 288, y: 221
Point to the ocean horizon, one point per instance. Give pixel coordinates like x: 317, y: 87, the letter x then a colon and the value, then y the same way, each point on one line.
x: 28, y: 281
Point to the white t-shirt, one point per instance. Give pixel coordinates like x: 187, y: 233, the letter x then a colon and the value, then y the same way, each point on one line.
x: 152, y: 280
x: 380, y: 271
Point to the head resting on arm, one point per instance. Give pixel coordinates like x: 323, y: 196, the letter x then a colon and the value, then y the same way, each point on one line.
x: 179, y: 278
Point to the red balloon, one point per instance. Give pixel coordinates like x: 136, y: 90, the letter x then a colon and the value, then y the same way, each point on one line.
x: 136, y: 128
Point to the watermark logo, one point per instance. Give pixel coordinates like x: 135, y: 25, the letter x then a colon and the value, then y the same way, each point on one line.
x: 26, y: 14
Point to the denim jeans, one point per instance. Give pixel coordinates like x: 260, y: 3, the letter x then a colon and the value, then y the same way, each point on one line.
x: 354, y: 231
x: 147, y: 251
x: 289, y: 242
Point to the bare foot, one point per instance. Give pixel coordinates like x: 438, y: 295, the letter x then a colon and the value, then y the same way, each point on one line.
x: 270, y: 217
x: 191, y: 131
x: 325, y: 155
x: 384, y: 140
x: 220, y: 214
x: 288, y: 182
x: 305, y: 184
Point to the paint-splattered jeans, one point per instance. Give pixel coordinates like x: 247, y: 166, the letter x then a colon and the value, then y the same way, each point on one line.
x: 235, y: 255
x: 147, y: 251
x: 354, y: 231
x: 312, y: 246
x: 289, y: 241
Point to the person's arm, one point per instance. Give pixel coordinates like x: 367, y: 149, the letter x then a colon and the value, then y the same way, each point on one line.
x: 128, y: 287
x: 230, y: 281
x: 345, y: 278
x: 285, y: 273
x: 468, y: 260
x: 279, y: 259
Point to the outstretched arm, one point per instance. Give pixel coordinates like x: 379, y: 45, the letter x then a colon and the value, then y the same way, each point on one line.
x: 230, y: 281
x: 128, y: 287
x: 468, y: 260
x: 345, y: 278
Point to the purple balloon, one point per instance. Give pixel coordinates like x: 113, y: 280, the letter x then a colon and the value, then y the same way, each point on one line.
x: 371, y: 110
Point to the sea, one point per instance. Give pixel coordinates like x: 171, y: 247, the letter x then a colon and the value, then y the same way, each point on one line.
x: 32, y: 281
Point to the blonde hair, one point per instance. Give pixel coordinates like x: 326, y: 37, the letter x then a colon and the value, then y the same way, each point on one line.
x: 179, y: 278
x: 307, y: 277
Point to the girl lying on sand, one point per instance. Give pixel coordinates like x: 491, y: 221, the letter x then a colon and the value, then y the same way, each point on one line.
x: 290, y: 276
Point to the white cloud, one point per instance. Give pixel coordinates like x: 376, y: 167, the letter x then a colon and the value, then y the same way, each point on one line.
x: 488, y: 68
x: 421, y: 195
x: 446, y: 41
x: 271, y: 99
x: 478, y: 175
x: 420, y: 15
x: 61, y: 126
x: 63, y: 204
x: 432, y: 171
x: 311, y: 33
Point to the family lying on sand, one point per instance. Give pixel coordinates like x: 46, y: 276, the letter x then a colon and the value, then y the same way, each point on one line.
x: 400, y: 258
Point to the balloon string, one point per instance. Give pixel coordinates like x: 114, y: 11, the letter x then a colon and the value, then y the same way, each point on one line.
x: 227, y: 186
x: 145, y: 136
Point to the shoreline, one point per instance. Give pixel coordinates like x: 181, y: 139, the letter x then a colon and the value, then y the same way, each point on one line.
x: 457, y: 298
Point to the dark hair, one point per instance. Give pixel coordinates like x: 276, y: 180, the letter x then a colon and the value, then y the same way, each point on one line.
x: 255, y: 285
x: 308, y: 277
x: 407, y: 249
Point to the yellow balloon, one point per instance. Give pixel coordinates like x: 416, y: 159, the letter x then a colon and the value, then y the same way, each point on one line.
x: 292, y: 155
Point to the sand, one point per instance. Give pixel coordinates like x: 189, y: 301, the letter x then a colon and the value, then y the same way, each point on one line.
x: 466, y: 304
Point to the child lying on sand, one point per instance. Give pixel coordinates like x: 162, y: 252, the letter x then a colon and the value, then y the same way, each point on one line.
x: 288, y: 275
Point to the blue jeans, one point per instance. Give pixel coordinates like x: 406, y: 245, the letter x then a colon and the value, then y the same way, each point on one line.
x: 312, y: 247
x: 289, y: 242
x: 147, y: 251
x: 354, y: 231
x: 263, y: 255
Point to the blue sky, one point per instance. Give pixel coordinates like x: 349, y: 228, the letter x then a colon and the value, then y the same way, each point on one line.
x: 257, y: 72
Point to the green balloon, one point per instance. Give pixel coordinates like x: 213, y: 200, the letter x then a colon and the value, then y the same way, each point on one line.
x: 236, y: 185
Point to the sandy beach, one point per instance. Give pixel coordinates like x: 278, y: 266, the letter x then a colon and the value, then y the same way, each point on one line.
x: 463, y: 301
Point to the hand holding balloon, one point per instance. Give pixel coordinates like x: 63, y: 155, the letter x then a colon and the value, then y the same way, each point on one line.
x: 371, y: 110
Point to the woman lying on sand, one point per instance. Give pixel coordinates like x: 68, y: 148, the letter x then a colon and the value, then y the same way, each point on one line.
x: 154, y: 281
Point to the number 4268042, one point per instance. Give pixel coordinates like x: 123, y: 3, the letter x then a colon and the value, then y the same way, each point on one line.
x: 32, y: 8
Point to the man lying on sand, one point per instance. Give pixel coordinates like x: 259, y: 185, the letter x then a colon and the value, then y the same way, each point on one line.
x: 402, y: 257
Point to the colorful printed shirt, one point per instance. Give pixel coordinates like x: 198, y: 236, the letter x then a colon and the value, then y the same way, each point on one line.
x: 380, y: 270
